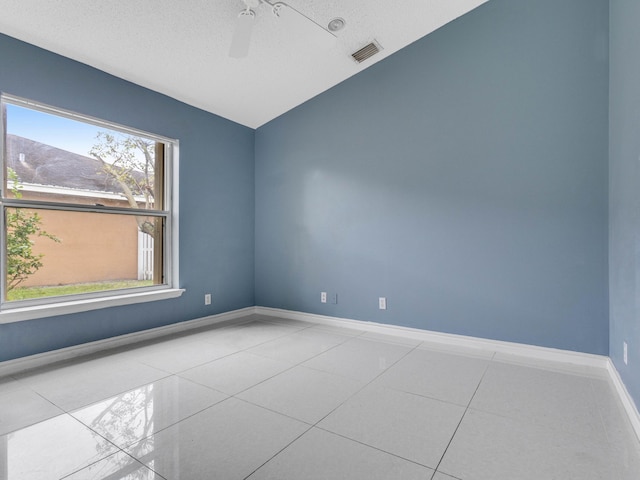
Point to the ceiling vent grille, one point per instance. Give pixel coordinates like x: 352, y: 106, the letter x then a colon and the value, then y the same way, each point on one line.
x: 366, y: 52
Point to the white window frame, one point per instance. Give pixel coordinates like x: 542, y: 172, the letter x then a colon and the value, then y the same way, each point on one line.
x: 62, y: 305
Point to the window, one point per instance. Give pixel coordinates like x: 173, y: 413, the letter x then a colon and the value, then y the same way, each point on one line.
x: 87, y: 216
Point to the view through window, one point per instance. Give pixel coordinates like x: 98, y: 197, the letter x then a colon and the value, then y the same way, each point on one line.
x: 85, y: 206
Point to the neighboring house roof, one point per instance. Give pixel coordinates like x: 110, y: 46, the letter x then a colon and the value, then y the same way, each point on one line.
x: 46, y: 165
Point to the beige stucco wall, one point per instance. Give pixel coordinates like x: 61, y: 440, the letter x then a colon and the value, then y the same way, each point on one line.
x: 93, y: 247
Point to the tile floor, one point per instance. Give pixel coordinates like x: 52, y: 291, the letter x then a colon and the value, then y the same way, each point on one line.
x: 265, y: 398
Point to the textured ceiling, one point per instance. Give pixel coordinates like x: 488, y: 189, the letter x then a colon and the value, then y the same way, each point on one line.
x: 180, y: 48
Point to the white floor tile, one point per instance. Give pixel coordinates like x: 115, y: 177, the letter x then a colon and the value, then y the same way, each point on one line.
x: 303, y: 393
x: 118, y: 466
x: 360, y: 359
x: 20, y: 406
x: 51, y: 449
x: 320, y: 455
x: 131, y: 416
x: 442, y: 476
x: 615, y: 419
x: 227, y: 441
x: 450, y: 378
x: 347, y: 332
x: 490, y: 447
x: 82, y: 382
x: 381, y: 337
x: 272, y: 327
x: 246, y: 335
x: 557, y: 400
x: 463, y: 350
x: 387, y: 409
x: 300, y: 346
x: 413, y: 427
x: 235, y: 373
x: 287, y: 322
x: 620, y: 433
x: 174, y: 357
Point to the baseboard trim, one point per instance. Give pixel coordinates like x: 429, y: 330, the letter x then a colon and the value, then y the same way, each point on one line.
x: 627, y: 402
x: 10, y: 367
x: 498, y: 346
x: 509, y: 348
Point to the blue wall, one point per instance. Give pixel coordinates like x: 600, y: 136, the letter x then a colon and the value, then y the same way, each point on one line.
x: 464, y: 178
x: 624, y: 184
x: 216, y: 197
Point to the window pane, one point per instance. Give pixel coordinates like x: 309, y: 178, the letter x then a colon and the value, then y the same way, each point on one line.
x: 67, y: 182
x: 54, y: 252
x: 53, y: 158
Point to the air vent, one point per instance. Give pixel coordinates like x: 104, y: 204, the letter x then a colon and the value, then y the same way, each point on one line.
x: 366, y: 52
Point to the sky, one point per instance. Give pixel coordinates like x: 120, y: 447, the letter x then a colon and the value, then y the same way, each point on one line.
x: 61, y: 132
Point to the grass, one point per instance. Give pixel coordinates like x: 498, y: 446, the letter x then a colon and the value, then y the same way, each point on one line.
x: 26, y: 293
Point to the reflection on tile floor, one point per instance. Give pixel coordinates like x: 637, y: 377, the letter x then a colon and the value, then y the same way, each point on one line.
x: 268, y: 398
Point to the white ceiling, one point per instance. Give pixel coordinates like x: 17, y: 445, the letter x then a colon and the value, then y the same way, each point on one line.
x: 180, y: 47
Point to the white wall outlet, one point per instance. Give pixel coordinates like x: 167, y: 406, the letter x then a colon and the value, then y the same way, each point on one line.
x: 382, y: 303
x: 334, y: 298
x: 323, y: 297
x: 625, y: 357
x: 207, y: 299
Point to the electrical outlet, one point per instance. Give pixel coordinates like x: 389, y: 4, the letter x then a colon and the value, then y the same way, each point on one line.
x: 382, y: 303
x: 207, y: 299
x: 625, y: 356
x: 323, y: 297
x: 334, y: 298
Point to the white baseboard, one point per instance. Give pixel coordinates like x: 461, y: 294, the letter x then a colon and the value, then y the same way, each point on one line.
x: 10, y: 367
x: 544, y: 354
x: 623, y: 393
x: 509, y: 348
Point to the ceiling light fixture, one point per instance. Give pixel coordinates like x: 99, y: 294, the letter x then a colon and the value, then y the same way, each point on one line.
x: 336, y: 24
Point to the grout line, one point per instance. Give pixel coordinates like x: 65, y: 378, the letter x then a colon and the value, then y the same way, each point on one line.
x: 373, y: 447
x: 293, y: 365
x: 142, y: 462
x: 176, y: 375
x: 96, y: 433
x: 281, y: 450
x: 246, y: 350
x: 446, y: 474
x: 449, y: 443
x: 299, y: 364
x: 365, y: 385
x: 463, y: 416
x: 315, y: 425
x: 154, y: 432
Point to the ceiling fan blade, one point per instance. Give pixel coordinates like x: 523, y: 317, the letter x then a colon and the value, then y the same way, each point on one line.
x: 303, y: 27
x: 242, y: 35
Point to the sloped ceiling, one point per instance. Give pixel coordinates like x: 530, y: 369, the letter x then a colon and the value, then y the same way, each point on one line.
x: 180, y: 48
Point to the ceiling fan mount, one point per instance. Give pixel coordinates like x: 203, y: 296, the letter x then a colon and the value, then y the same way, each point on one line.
x: 299, y: 24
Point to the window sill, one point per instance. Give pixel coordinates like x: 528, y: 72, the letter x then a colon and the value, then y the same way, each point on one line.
x: 30, y: 313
